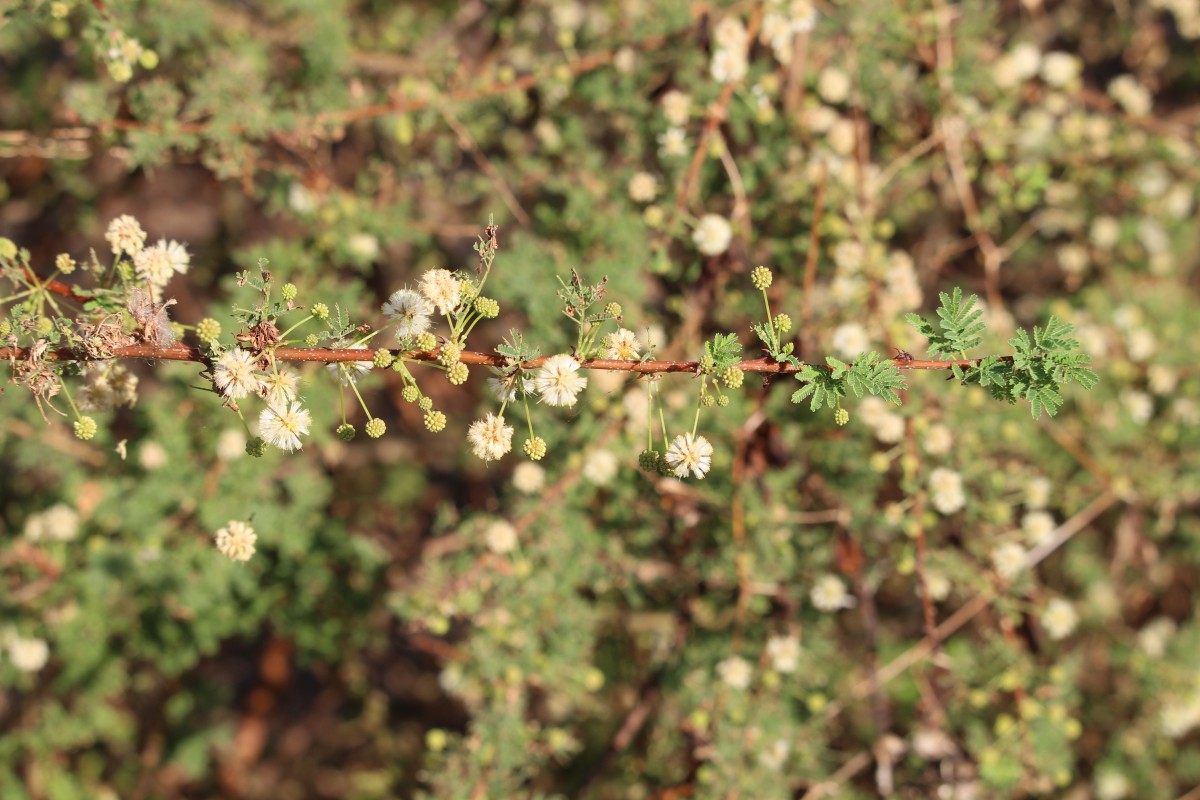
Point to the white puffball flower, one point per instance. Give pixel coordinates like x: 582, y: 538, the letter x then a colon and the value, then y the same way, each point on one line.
x: 231, y: 444
x: 1105, y: 232
x: 236, y: 540
x: 528, y: 478
x: 280, y: 385
x: 500, y: 537
x: 1130, y: 95
x: 154, y: 264
x: 301, y: 199
x: 1037, y: 527
x: 1060, y: 69
x: 775, y: 755
x: 677, y: 107
x: 1140, y: 345
x: 871, y: 410
x: 558, y: 381
x: 1018, y: 65
x: 1162, y: 379
x: 1112, y: 785
x: 1073, y: 258
x: 410, y: 311
x: 784, y: 653
x: 938, y: 440
x: 282, y: 427
x: 735, y: 672
x: 152, y: 456
x: 348, y: 372
x: 672, y: 143
x: 712, y: 235
x: 1139, y: 405
x: 689, y: 453
x: 946, y: 490
x: 889, y: 429
x: 829, y: 594
x: 1059, y: 619
x: 600, y: 467
x: 1177, y: 718
x: 364, y: 246
x: 442, y: 289
x: 58, y: 523
x: 730, y: 33
x: 833, y: 85
x: 125, y: 235
x: 28, y: 654
x: 938, y: 586
x: 850, y: 339
x: 1156, y: 635
x: 643, y: 187
x: 1152, y: 236
x: 234, y: 374
x: 1009, y: 559
x: 490, y: 437
x: 729, y: 65
x: 1037, y: 492
x: 622, y: 345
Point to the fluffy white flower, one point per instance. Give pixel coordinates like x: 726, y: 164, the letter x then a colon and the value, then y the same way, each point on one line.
x: 890, y: 428
x: 504, y: 388
x: 1105, y: 232
x: 1140, y: 344
x: 1059, y: 619
x: 282, y: 427
x: 236, y: 540
x: 677, y: 107
x: 365, y: 246
x: 125, y: 235
x: 442, y: 289
x: 622, y: 345
x: 409, y: 310
x: 833, y: 85
x: 231, y: 444
x: 688, y: 452
x: 1130, y: 95
x: 735, y: 672
x: 500, y: 537
x: 712, y: 235
x: 1112, y: 785
x: 28, y: 654
x: 1037, y: 492
x: 600, y: 467
x: 558, y: 381
x: 1153, y: 236
x: 784, y: 653
x: 490, y: 437
x: 528, y: 478
x: 1177, y: 718
x: 938, y: 584
x: 1073, y: 258
x: 59, y: 523
x: 731, y: 33
x: 729, y: 65
x: 672, y: 142
x: 152, y: 456
x: 234, y: 374
x: 1139, y: 405
x: 1009, y: 559
x: 301, y: 199
x: 938, y: 440
x: 154, y: 265
x: 643, y: 187
x: 348, y: 372
x: 280, y: 385
x: 1037, y: 527
x: 1156, y: 635
x: 177, y: 254
x: 850, y: 339
x: 946, y: 489
x: 1060, y: 69
x: 775, y: 755
x: 829, y: 594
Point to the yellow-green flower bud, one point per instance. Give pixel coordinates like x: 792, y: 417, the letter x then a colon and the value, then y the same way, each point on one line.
x: 435, y: 421
x: 761, y: 277
x: 208, y: 330
x: 376, y: 427
x: 383, y: 358
x: 320, y: 311
x: 457, y: 374
x: 345, y: 432
x: 85, y: 428
x: 535, y: 448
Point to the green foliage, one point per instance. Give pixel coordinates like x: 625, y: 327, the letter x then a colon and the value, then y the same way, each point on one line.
x: 723, y: 351
x: 960, y: 323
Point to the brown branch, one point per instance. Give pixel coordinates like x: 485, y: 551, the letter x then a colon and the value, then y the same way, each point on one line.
x: 185, y: 352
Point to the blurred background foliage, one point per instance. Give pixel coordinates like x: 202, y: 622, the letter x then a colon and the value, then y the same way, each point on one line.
x: 761, y: 633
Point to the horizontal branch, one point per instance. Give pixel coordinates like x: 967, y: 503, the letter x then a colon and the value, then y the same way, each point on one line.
x: 183, y: 352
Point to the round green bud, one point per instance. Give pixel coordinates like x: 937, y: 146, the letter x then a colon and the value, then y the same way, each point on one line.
x: 841, y: 416
x: 707, y: 364
x: 783, y: 323
x: 613, y: 310
x: 320, y: 311
x: 723, y: 401
x: 435, y: 421
x: 45, y: 326
x: 426, y: 404
x: 85, y: 428
x: 426, y: 341
x: 410, y: 394
x: 208, y: 330
x: 457, y: 374
x: 345, y: 432
x: 708, y: 400
x: 449, y: 354
x: 436, y: 739
x: 64, y: 264
x: 733, y: 377
x: 289, y: 292
x: 311, y: 340
x: 148, y: 59
x: 256, y: 447
x: 535, y: 448
x: 5, y: 328
x: 383, y: 358
x: 649, y: 460
x: 376, y: 427
x: 487, y: 307
x: 761, y: 277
